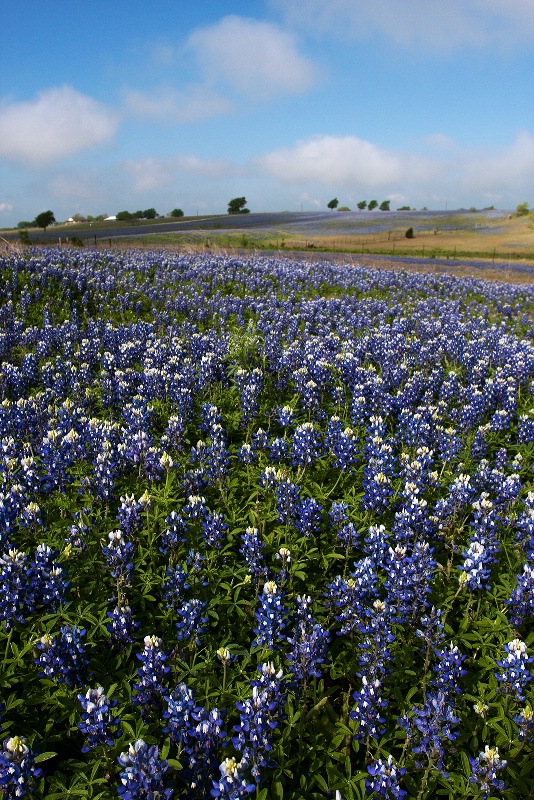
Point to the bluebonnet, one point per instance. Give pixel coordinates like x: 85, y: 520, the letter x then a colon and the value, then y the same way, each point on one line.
x: 122, y: 625
x: 174, y: 587
x: 287, y: 500
x: 197, y: 733
x: 246, y: 454
x: 17, y: 768
x: 179, y: 713
x: 285, y: 416
x: 192, y: 625
x: 64, y: 659
x: 521, y: 600
x: 268, y: 478
x: 142, y: 777
x: 308, y: 517
x: 213, y: 529
x: 270, y: 616
x: 119, y: 555
x: 484, y: 771
x: 150, y: 688
x: 174, y: 534
x: 251, y: 550
x: 309, y: 645
x: 409, y: 575
x: 257, y: 716
x: 338, y: 513
x: 278, y: 450
x: 195, y: 507
x: 515, y: 673
x: 305, y: 445
x: 367, y: 714
x: 524, y: 720
x: 48, y: 586
x: 384, y: 779
x: 97, y: 719
x: 435, y: 723
x: 129, y: 514
x: 232, y: 784
x: 14, y: 581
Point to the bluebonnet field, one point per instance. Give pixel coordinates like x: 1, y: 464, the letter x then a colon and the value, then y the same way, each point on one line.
x: 266, y: 530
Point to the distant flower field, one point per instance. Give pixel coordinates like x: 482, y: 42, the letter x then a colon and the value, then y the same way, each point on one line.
x: 266, y: 530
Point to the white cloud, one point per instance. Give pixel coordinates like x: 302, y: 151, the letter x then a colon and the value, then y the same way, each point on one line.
x: 166, y: 103
x: 510, y: 169
x: 254, y: 57
x: 149, y: 174
x: 424, y: 23
x: 59, y: 122
x: 5, y: 207
x: 345, y: 161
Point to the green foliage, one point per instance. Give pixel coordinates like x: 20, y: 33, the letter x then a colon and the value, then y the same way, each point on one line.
x: 124, y: 215
x: 384, y: 205
x: 25, y: 224
x: 343, y: 208
x: 362, y: 205
x: 176, y: 212
x: 372, y: 204
x: 44, y: 219
x: 404, y: 208
x: 24, y: 237
x: 237, y: 206
x: 409, y: 233
x: 76, y: 241
x: 333, y: 203
x: 522, y: 209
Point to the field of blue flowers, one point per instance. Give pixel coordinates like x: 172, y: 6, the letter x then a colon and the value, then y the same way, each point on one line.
x: 266, y: 530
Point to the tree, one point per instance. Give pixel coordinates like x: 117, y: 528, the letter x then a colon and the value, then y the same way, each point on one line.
x: 343, y: 208
x: 404, y: 208
x: 384, y: 205
x: 362, y: 204
x: 372, y: 204
x: 409, y: 233
x: 522, y: 209
x: 24, y: 236
x: 176, y: 212
x: 150, y: 213
x: 237, y: 206
x: 333, y: 203
x: 44, y: 219
x: 124, y: 215
x: 25, y: 224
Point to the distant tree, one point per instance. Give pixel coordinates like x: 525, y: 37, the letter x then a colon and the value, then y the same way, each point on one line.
x: 333, y: 204
x: 409, y: 233
x: 44, y: 219
x: 138, y: 214
x: 343, y: 208
x: 472, y: 208
x: 176, y: 212
x: 124, y: 215
x: 522, y: 209
x: 237, y: 206
x: 384, y: 205
x: 362, y: 204
x: 101, y: 217
x: 24, y: 237
x: 150, y: 213
x: 404, y: 208
x: 372, y: 204
x: 25, y: 224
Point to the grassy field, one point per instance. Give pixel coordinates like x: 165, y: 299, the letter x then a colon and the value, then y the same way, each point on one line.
x: 470, y: 235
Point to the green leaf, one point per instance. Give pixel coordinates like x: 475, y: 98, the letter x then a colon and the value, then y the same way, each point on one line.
x: 44, y: 756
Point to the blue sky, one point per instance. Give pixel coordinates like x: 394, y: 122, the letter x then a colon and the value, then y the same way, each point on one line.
x: 106, y: 106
